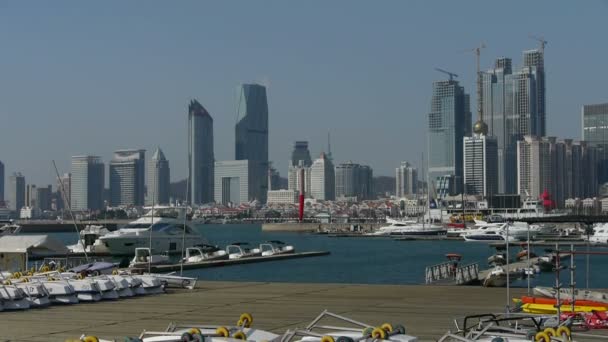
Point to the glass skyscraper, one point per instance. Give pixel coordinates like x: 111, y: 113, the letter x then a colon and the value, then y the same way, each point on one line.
x: 1, y: 182
x: 447, y: 121
x: 251, y: 133
x: 127, y: 177
x: 158, y: 174
x: 201, y: 156
x: 595, y: 132
x: 514, y: 107
x: 87, y: 183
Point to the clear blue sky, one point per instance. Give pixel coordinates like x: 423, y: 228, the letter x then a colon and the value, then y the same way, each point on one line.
x: 91, y: 77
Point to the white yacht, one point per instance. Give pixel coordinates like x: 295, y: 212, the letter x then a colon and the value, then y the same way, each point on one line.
x: 600, y: 234
x: 166, y: 224
x: 396, y: 228
x: 489, y: 233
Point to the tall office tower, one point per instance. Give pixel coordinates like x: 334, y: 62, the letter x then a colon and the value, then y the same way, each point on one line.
x: 447, y: 119
x: 233, y: 182
x: 274, y: 179
x: 346, y: 179
x: 354, y: 180
x: 251, y: 134
x: 201, y: 156
x: 480, y: 165
x: 87, y: 183
x: 1, y: 182
x: 43, y: 197
x: 323, y: 179
x: 406, y: 180
x: 513, y: 104
x: 64, y: 186
x: 301, y: 153
x: 159, y: 178
x: 30, y: 196
x: 128, y: 177
x: 535, y: 60
x: 468, y: 117
x: 595, y: 132
x: 16, y: 192
x: 533, y: 166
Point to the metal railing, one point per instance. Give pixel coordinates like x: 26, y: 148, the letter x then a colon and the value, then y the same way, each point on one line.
x: 460, y: 275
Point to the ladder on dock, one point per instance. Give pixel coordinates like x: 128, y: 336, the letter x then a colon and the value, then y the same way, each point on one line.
x: 445, y: 273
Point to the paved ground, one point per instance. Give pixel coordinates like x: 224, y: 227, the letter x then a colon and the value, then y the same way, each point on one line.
x: 426, y: 311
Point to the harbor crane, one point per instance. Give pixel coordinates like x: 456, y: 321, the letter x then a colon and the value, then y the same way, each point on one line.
x: 477, y: 52
x: 541, y: 40
x: 451, y: 74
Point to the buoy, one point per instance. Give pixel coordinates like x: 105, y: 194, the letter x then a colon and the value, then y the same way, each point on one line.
x: 222, y: 331
x: 245, y: 320
x: 327, y: 338
x: 564, y: 331
x: 542, y: 337
x: 379, y: 333
x: 387, y: 327
x: 239, y: 335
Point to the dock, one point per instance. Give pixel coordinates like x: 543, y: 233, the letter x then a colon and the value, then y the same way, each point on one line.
x: 230, y: 262
x: 512, y: 266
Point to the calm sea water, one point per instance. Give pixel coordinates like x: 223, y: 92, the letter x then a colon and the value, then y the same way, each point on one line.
x: 363, y: 260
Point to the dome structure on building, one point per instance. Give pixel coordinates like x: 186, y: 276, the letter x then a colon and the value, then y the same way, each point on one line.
x: 480, y: 127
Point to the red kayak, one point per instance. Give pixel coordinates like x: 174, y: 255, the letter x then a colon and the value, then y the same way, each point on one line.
x: 565, y: 301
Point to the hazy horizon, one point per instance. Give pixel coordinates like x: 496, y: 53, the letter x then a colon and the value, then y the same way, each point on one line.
x: 90, y: 78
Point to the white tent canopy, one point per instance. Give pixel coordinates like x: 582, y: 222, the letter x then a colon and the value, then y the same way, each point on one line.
x: 32, y: 245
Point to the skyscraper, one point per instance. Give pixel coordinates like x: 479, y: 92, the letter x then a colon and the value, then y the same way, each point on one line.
x: 1, y: 182
x: 354, y: 180
x: 201, y: 157
x: 251, y: 133
x: 595, y: 132
x: 533, y: 166
x: 127, y: 177
x: 16, y: 192
x: 64, y: 186
x: 480, y: 165
x: 87, y: 183
x: 158, y: 179
x: 514, y: 105
x: 233, y: 180
x: 300, y: 153
x: 323, y: 179
x: 447, y: 121
x: 406, y: 180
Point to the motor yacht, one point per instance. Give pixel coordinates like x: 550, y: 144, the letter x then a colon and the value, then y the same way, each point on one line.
x: 276, y: 247
x: 600, y: 234
x: 409, y: 227
x: 489, y: 233
x: 204, y: 253
x: 10, y: 228
x: 165, y: 224
x: 89, y: 240
x: 240, y: 250
x: 144, y: 258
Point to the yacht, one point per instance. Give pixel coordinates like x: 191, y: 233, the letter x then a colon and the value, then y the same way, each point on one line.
x: 484, y: 231
x: 396, y: 227
x: 489, y: 233
x: 600, y: 234
x: 165, y: 224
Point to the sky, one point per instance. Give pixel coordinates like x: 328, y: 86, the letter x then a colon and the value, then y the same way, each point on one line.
x: 93, y: 77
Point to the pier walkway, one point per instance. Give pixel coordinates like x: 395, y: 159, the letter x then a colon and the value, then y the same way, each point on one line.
x: 511, y: 267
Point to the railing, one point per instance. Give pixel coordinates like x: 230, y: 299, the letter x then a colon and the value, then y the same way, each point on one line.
x: 446, y: 271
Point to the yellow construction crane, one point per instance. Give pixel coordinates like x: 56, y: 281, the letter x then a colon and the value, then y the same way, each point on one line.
x: 477, y: 52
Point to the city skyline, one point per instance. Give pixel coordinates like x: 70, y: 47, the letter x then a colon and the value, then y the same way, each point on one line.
x: 121, y: 85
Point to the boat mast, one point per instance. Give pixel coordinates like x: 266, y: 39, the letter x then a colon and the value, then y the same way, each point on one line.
x: 181, y: 265
x: 152, y: 219
x: 66, y: 200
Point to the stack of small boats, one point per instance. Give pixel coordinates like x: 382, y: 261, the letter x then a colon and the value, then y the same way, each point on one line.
x: 349, y: 331
x: 86, y: 283
x: 587, y: 308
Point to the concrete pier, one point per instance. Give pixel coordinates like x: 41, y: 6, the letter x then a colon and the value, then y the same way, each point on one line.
x: 426, y: 311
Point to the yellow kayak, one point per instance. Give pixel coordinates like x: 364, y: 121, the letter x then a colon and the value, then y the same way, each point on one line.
x: 550, y: 309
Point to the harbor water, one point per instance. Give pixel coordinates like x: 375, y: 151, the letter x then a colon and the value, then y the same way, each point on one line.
x: 358, y: 260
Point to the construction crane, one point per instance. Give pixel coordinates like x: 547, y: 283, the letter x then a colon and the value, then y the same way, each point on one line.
x: 541, y: 40
x: 451, y: 74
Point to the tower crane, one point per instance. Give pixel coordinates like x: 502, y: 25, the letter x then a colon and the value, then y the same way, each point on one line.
x: 477, y: 52
x: 451, y: 74
x: 541, y: 40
